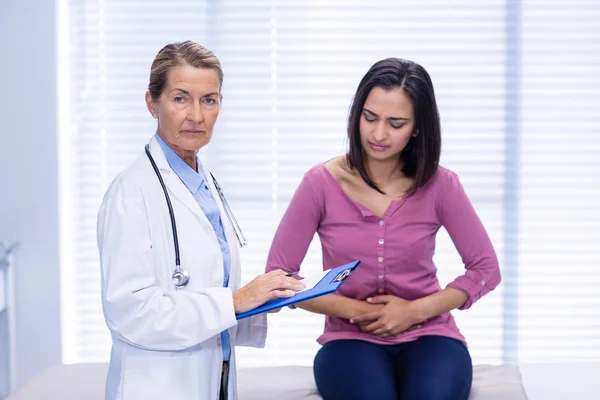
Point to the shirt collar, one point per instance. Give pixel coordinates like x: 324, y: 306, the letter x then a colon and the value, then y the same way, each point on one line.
x: 191, y: 179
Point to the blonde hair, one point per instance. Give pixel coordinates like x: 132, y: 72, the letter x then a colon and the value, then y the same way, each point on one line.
x: 178, y: 54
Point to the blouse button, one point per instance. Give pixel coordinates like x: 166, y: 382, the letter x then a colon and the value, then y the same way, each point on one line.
x: 381, y: 241
x: 381, y: 222
x: 380, y: 259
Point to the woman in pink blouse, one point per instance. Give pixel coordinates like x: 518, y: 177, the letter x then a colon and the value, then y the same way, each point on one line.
x: 388, y: 332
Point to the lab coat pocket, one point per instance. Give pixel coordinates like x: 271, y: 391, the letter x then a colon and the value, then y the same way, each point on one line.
x: 146, y: 378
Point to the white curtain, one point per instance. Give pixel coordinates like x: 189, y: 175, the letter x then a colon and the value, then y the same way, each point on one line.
x: 291, y: 69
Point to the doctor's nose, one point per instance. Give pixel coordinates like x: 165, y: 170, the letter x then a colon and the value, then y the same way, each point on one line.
x: 195, y: 114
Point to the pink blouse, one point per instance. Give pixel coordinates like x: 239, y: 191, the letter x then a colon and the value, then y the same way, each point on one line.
x: 395, y: 251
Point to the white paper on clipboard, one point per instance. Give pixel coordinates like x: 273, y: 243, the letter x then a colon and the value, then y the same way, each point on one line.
x: 312, y: 280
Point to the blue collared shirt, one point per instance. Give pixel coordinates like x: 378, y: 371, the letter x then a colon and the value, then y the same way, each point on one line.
x: 196, y: 184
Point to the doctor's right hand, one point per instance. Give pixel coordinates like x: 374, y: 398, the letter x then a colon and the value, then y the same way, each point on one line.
x: 263, y: 288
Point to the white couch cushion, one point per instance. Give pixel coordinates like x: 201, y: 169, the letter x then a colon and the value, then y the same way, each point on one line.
x: 497, y: 382
x: 297, y: 383
x: 86, y: 381
x: 281, y: 383
x: 66, y: 382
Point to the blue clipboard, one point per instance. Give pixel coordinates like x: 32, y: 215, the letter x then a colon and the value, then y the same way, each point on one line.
x: 328, y: 284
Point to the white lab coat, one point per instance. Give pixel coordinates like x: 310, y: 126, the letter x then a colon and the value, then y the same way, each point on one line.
x: 166, y: 342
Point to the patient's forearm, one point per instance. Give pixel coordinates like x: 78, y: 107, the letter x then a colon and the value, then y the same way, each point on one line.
x: 337, y: 306
x: 439, y: 303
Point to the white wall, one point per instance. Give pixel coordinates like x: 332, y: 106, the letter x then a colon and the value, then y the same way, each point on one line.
x: 29, y: 175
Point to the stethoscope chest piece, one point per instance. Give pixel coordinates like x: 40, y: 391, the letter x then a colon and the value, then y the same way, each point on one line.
x: 180, y: 278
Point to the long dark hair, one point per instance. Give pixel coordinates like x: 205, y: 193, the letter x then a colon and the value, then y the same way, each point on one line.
x: 420, y: 158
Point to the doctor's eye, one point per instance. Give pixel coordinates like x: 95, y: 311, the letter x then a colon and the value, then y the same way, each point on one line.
x: 178, y: 99
x: 210, y: 101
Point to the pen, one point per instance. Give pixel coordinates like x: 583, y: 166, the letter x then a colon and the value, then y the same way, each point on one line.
x: 291, y: 274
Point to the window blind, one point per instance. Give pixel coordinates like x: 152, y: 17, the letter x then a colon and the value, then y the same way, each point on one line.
x: 108, y: 48
x: 559, y: 259
x: 291, y: 69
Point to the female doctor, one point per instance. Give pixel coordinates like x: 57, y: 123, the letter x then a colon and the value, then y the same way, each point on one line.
x: 169, y: 256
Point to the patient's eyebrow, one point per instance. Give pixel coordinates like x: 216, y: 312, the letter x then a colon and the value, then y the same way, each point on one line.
x: 390, y: 119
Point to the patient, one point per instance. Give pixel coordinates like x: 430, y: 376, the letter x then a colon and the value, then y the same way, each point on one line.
x: 389, y: 333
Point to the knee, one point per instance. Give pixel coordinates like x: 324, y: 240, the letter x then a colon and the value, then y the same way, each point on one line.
x: 338, y: 377
x: 354, y: 393
x: 437, y: 389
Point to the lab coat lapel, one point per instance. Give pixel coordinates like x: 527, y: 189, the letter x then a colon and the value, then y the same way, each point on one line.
x: 174, y: 185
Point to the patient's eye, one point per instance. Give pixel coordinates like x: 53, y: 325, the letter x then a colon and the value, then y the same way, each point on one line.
x: 369, y: 117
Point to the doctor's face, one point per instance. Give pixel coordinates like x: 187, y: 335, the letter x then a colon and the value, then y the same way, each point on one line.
x: 187, y: 108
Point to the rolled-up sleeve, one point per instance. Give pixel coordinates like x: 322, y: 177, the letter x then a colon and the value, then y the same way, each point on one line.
x: 458, y: 217
x: 252, y: 332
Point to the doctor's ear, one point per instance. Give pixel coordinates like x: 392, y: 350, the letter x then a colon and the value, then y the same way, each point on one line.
x: 150, y: 105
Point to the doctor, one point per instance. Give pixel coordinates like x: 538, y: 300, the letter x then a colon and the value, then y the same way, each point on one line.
x: 169, y: 256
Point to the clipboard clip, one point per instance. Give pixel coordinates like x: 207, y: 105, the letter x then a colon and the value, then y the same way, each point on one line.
x: 343, y: 275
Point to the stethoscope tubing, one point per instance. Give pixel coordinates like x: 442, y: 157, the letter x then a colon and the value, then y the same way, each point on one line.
x: 181, y: 277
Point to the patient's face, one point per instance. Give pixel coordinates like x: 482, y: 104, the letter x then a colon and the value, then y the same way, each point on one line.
x: 386, y: 123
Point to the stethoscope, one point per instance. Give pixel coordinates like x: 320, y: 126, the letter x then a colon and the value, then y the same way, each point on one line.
x: 181, y: 277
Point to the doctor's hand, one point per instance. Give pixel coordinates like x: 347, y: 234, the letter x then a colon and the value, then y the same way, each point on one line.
x: 263, y: 288
x: 394, y: 318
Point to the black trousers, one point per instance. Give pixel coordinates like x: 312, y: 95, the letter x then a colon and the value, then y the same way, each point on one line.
x: 224, y: 381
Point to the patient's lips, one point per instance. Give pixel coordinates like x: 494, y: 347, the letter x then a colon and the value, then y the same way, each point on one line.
x: 378, y: 147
